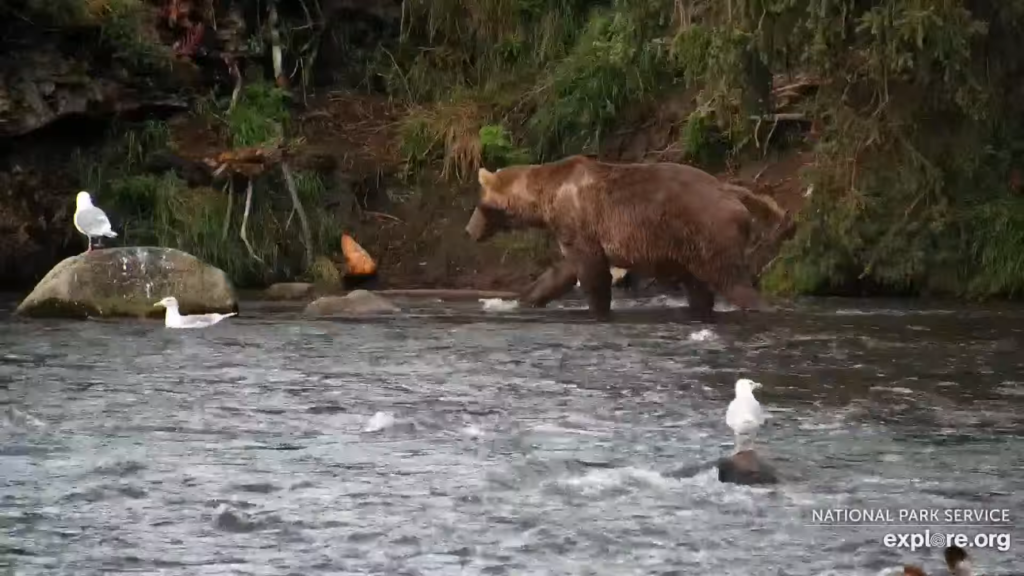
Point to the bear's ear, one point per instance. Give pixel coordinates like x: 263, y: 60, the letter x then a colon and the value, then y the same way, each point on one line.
x: 487, y: 178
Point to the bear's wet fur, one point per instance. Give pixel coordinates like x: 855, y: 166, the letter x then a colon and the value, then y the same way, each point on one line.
x: 671, y: 222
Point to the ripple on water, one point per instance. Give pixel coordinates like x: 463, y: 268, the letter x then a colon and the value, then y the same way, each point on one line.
x: 509, y: 445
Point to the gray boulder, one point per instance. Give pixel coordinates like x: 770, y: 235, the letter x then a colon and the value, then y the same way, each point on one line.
x: 126, y: 282
x: 356, y: 302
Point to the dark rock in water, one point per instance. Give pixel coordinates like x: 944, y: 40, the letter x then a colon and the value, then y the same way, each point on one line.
x: 746, y: 468
x: 355, y: 302
x: 127, y: 282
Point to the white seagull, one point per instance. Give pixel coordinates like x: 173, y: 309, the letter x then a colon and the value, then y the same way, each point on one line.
x: 90, y: 220
x: 744, y: 415
x: 173, y: 319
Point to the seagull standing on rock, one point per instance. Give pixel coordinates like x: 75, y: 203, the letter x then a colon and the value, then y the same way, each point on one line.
x: 174, y: 319
x: 90, y: 220
x: 744, y: 415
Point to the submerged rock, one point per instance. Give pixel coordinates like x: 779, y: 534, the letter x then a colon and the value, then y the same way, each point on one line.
x: 746, y: 468
x: 289, y: 291
x: 126, y: 282
x: 355, y: 302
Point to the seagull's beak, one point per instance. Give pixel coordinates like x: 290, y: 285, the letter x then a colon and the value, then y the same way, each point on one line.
x: 756, y: 386
x: 160, y: 303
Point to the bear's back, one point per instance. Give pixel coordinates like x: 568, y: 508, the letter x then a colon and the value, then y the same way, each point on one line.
x: 663, y: 189
x: 652, y: 212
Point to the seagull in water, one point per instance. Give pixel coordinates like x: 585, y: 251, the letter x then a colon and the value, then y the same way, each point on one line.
x: 90, y: 220
x: 744, y: 415
x: 173, y: 319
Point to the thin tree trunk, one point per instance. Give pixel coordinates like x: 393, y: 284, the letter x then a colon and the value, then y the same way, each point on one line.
x: 307, y: 236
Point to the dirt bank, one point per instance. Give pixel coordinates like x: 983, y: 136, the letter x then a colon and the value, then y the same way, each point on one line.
x: 63, y: 103
x: 413, y: 226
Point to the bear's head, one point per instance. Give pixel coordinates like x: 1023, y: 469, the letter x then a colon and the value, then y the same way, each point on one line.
x: 486, y: 222
x: 501, y: 205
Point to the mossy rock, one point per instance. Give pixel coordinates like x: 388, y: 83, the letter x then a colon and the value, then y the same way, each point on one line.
x: 126, y: 282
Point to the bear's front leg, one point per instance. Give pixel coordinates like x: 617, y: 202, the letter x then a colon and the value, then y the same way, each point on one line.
x: 700, y: 298
x: 595, y: 280
x: 554, y: 283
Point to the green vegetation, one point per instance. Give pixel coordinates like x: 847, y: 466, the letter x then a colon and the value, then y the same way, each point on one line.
x: 124, y: 27
x: 916, y: 107
x: 163, y: 210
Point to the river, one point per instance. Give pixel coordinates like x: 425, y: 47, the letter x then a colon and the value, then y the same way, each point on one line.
x: 521, y: 443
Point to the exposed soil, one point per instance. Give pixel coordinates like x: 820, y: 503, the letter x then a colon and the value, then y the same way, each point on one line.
x: 359, y: 131
x: 415, y: 230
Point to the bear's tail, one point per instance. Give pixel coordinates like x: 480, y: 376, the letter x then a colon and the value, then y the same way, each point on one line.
x: 764, y: 207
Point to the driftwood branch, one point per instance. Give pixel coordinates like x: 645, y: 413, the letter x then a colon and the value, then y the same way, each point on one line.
x: 245, y: 221
x: 249, y: 162
x: 307, y: 237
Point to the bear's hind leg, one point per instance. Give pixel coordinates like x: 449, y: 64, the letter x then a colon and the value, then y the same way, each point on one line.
x: 727, y: 275
x: 554, y: 283
x: 745, y: 297
x: 596, y: 281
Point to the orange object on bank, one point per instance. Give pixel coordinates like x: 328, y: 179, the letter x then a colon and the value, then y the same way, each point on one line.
x: 357, y: 261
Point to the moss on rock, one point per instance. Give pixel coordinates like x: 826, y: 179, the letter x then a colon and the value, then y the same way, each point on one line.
x: 126, y: 282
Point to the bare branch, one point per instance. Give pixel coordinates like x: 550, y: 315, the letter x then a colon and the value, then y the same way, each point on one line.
x: 236, y: 73
x: 231, y: 201
x: 245, y: 222
x: 307, y: 237
x: 275, y: 45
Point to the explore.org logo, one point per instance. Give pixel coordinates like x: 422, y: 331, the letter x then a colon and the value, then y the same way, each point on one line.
x: 928, y: 539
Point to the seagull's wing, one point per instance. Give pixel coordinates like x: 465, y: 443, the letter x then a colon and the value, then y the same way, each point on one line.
x: 743, y: 416
x: 202, y: 320
x: 733, y: 416
x: 762, y: 414
x: 92, y: 221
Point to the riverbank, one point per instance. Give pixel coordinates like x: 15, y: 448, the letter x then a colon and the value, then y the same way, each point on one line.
x: 254, y: 135
x: 350, y: 178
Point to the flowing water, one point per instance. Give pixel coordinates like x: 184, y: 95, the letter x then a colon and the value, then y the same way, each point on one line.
x: 510, y: 442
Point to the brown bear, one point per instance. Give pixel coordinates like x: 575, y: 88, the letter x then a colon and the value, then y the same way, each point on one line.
x: 671, y: 222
